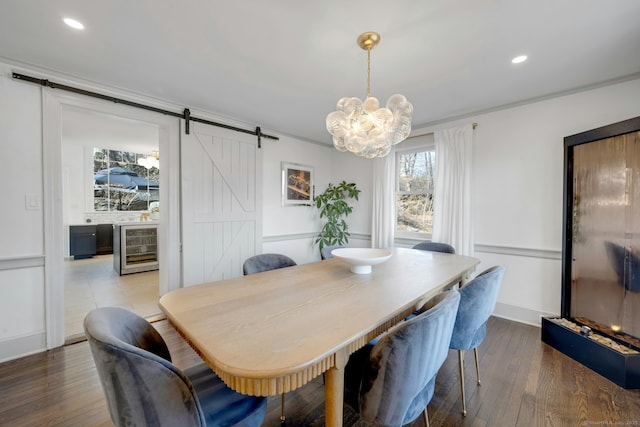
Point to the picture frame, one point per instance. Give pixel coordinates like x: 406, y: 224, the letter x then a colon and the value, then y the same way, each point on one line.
x: 297, y: 184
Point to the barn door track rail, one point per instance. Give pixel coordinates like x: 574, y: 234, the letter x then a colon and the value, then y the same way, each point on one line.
x: 185, y: 114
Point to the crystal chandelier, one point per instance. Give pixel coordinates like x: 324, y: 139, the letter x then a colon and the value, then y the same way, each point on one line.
x: 363, y: 128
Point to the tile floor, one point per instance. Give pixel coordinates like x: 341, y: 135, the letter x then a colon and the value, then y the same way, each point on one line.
x: 92, y: 282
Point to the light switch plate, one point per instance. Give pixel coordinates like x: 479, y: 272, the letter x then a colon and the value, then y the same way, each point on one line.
x: 32, y: 202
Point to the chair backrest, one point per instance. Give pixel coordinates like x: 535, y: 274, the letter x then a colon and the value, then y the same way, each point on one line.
x: 142, y: 386
x: 435, y: 247
x: 477, y: 302
x: 626, y: 265
x: 398, y: 382
x: 325, y: 253
x: 266, y: 262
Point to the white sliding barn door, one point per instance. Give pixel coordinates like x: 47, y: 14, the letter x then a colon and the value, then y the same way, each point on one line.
x: 222, y: 202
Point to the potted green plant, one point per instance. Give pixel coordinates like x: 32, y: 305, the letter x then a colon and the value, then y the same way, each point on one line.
x: 334, y: 207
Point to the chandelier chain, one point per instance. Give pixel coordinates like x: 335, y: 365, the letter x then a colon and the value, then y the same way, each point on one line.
x: 368, y: 73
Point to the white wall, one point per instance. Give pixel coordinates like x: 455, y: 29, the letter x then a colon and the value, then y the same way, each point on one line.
x: 76, y: 177
x: 350, y: 168
x: 21, y: 171
x: 21, y: 227
x: 517, y: 185
x: 291, y: 230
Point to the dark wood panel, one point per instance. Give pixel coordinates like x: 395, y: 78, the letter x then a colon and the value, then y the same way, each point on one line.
x: 524, y: 383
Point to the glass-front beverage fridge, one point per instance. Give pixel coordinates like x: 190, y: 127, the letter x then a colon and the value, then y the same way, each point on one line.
x: 135, y: 248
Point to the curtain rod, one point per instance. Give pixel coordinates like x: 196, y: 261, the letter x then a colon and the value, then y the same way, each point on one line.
x: 474, y: 125
x: 186, y: 114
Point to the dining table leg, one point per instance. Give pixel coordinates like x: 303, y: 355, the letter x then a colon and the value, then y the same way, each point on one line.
x: 334, y: 393
x: 334, y: 389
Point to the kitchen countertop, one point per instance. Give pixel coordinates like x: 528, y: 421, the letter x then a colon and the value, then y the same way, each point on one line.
x: 81, y: 224
x: 129, y: 223
x: 150, y: 222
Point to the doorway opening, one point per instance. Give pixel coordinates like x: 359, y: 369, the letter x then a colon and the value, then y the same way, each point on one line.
x: 93, y: 279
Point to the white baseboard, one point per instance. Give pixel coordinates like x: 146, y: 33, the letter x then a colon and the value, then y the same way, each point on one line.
x: 15, y: 348
x: 520, y: 314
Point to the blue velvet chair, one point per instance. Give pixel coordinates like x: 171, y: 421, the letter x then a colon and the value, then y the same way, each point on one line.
x: 325, y: 253
x: 435, y: 247
x: 392, y: 382
x: 626, y: 265
x: 266, y: 262
x: 143, y: 387
x: 477, y: 302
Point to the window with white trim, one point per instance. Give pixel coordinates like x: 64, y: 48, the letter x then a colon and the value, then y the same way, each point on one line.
x: 415, y: 168
x: 122, y: 183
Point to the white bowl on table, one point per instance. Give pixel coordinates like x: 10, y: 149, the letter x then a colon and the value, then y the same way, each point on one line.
x: 361, y: 259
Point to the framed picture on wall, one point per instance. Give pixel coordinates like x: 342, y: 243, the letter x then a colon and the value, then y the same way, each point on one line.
x: 297, y: 184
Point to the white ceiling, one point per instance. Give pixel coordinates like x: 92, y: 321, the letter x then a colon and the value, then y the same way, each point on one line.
x: 283, y: 64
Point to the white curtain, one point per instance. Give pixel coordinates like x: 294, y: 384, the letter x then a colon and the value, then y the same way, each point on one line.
x: 452, y: 217
x: 383, y: 218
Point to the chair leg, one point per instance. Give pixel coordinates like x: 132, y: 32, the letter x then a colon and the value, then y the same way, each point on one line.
x: 461, y: 369
x: 475, y: 352
x: 282, y: 417
x: 425, y: 416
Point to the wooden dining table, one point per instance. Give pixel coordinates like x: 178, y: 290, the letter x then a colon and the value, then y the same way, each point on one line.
x: 269, y: 333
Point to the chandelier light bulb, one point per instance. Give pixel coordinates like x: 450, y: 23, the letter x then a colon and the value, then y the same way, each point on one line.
x: 363, y: 127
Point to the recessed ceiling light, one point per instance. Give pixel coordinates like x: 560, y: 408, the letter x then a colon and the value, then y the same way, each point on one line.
x: 519, y: 59
x: 73, y: 23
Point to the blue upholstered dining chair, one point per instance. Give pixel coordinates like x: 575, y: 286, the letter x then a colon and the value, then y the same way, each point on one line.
x: 266, y: 262
x: 477, y: 302
x: 325, y: 253
x: 392, y: 382
x: 435, y: 247
x: 626, y: 265
x: 143, y: 387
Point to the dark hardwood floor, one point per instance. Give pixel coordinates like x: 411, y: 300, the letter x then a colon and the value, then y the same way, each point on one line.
x: 524, y: 383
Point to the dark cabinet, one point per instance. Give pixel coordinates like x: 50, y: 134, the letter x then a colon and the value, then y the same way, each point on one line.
x: 104, y: 239
x: 82, y: 241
